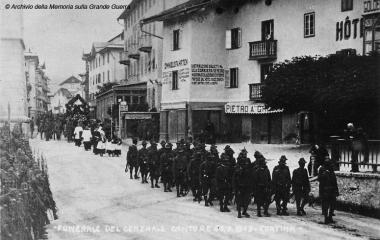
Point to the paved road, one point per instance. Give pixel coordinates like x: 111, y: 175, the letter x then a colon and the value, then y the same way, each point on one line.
x: 96, y: 200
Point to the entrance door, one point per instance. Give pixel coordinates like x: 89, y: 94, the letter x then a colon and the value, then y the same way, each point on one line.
x: 172, y: 126
x: 275, y: 128
x: 259, y: 129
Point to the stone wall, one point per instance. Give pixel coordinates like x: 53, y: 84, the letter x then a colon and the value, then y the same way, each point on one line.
x: 359, y: 192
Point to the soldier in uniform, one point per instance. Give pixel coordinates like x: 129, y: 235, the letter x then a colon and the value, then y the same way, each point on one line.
x: 132, y: 159
x: 207, y: 178
x: 154, y: 164
x: 301, y: 186
x: 193, y: 173
x: 281, y: 185
x: 328, y: 189
x: 179, y: 171
x: 229, y: 154
x: 143, y: 162
x: 215, y: 153
x: 242, y: 183
x: 224, y: 182
x: 261, y: 187
x: 166, y: 164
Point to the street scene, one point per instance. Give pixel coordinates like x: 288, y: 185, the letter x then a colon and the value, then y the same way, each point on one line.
x: 206, y: 119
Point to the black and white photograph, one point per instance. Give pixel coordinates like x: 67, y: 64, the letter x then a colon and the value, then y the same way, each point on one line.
x: 190, y: 119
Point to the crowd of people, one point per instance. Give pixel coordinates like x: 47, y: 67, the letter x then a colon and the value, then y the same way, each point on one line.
x: 96, y: 137
x: 211, y: 176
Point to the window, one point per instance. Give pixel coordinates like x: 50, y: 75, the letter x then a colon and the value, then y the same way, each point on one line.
x: 176, y: 39
x: 108, y: 75
x: 103, y: 77
x: 232, y: 78
x: 174, y: 80
x: 108, y: 57
x: 267, y: 30
x: 309, y: 25
x: 233, y: 38
x: 104, y: 60
x: 347, y: 5
x: 264, y: 71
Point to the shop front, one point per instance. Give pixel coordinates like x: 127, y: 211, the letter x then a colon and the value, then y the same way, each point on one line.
x: 254, y: 122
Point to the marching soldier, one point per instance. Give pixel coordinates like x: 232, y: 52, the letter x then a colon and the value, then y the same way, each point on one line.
x: 179, y: 171
x: 166, y: 163
x: 242, y: 182
x: 193, y: 173
x: 281, y: 184
x: 229, y: 154
x: 207, y: 179
x: 328, y: 189
x: 215, y: 153
x: 143, y: 162
x: 224, y: 182
x: 261, y: 180
x: 301, y: 186
x: 154, y: 164
x: 132, y: 159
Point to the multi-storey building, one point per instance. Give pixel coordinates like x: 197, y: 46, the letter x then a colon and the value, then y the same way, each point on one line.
x: 13, y: 90
x: 216, y: 55
x: 38, y: 85
x: 68, y: 89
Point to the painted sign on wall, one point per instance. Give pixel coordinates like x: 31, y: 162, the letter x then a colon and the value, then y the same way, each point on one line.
x: 174, y: 64
x: 349, y: 28
x: 248, y: 108
x: 207, y: 74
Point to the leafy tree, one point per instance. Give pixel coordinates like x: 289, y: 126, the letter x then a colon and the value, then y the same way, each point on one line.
x: 338, y: 88
x: 105, y: 87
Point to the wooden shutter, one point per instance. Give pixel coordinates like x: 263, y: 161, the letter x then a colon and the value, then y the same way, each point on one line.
x: 180, y: 39
x: 239, y: 37
x: 172, y: 41
x: 228, y: 39
x: 237, y: 77
x: 227, y: 80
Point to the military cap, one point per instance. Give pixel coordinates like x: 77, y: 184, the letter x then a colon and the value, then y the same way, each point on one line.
x: 283, y: 158
x: 143, y: 142
x: 182, y: 141
x: 302, y: 160
x: 227, y: 147
x: 167, y: 145
x: 257, y: 154
x: 244, y: 150
x: 163, y: 142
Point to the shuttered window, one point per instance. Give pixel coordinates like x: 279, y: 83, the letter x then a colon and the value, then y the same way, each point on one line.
x: 233, y: 38
x: 232, y: 78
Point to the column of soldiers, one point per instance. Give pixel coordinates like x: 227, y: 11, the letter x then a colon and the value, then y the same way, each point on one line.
x: 210, y: 176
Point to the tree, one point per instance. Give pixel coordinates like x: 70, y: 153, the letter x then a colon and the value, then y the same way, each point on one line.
x: 338, y: 88
x: 105, y: 87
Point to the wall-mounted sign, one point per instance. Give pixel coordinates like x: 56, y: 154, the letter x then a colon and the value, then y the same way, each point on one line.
x: 248, y: 108
x: 166, y: 77
x: 183, y: 74
x: 174, y: 64
x: 349, y: 28
x: 207, y: 74
x: 371, y: 6
x: 135, y: 116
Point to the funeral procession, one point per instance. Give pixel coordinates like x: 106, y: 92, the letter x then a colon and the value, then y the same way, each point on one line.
x: 190, y: 119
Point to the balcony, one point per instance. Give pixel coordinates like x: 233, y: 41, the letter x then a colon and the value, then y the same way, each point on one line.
x: 134, y: 55
x: 255, y: 91
x: 145, y: 44
x: 124, y: 59
x: 263, y: 50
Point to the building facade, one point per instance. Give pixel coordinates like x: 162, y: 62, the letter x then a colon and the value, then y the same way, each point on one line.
x: 104, y: 67
x: 59, y: 100
x: 38, y: 85
x: 216, y: 56
x: 13, y: 88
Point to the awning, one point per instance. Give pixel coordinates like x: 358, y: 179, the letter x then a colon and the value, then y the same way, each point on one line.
x: 249, y: 108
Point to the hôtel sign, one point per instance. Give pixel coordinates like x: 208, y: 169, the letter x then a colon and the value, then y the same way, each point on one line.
x: 248, y: 108
x: 371, y: 6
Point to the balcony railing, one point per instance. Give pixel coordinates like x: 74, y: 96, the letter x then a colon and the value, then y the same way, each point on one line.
x: 124, y: 59
x: 255, y: 91
x: 262, y: 50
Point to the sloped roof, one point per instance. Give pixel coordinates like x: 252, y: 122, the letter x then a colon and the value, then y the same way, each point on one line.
x: 65, y: 92
x: 181, y: 9
x: 71, y: 79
